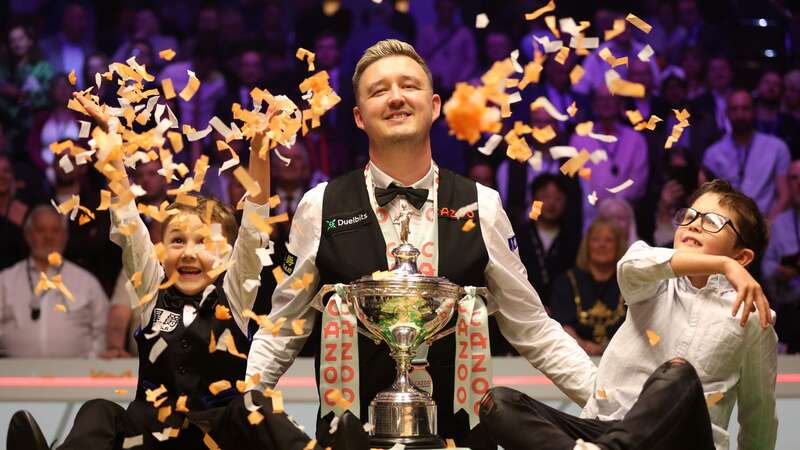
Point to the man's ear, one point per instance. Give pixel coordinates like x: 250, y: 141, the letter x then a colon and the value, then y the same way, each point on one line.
x: 744, y: 256
x: 357, y: 117
x: 437, y: 106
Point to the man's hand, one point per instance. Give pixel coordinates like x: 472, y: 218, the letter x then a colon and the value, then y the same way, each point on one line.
x: 748, y: 293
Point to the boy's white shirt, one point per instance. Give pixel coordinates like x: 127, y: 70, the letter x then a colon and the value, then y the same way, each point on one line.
x: 695, y: 324
x: 138, y: 255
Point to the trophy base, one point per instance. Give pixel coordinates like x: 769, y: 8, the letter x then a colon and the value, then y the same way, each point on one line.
x: 416, y: 442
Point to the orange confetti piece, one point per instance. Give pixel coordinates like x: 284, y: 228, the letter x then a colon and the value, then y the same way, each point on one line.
x: 222, y: 313
x: 166, y: 54
x: 653, y: 337
x: 576, y: 74
x: 168, y: 89
x: 191, y: 87
x: 278, y: 274
x: 120, y: 391
x: 562, y: 55
x: 572, y: 109
x: 212, y: 343
x: 616, y: 30
x: 54, y: 259
x: 585, y: 173
x: 277, y: 400
x: 263, y: 321
x: 151, y: 395
x: 276, y: 328
x: 601, y: 394
x: 255, y: 417
x: 297, y: 326
x: 713, y: 398
x: 172, y: 279
x: 72, y: 78
x: 180, y: 404
x: 308, y: 56
x: 468, y: 115
x: 607, y: 56
x: 146, y: 298
x: 468, y: 226
x: 551, y: 6
x: 230, y: 344
x: 310, y: 445
x: 639, y: 23
x: 163, y: 413
x: 574, y: 164
x: 335, y: 396
x: 219, y: 386
x: 450, y: 443
x: 210, y: 443
x: 536, y: 210
x: 251, y: 185
x: 544, y: 135
x: 60, y: 308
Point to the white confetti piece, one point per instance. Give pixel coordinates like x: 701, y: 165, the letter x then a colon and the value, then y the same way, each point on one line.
x: 515, y: 61
x: 592, y: 198
x: 228, y: 164
x: 625, y: 185
x: 461, y: 212
x: 133, y: 441
x: 86, y: 127
x: 265, y: 256
x: 481, y: 21
x: 251, y: 284
x: 66, y: 164
x: 562, y: 151
x: 646, y: 53
x: 248, y: 402
x: 157, y: 349
x: 334, y: 425
x: 491, y: 144
x: 598, y: 156
x: 587, y: 42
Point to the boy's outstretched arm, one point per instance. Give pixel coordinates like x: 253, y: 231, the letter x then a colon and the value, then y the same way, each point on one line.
x: 748, y: 290
x: 258, y: 167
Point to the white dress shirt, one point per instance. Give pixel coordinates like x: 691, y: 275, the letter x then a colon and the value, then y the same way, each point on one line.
x: 138, y: 255
x: 694, y: 324
x: 519, y: 311
x: 77, y: 332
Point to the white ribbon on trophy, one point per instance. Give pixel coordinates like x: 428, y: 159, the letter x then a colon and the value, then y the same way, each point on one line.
x: 473, y: 364
x: 338, y: 368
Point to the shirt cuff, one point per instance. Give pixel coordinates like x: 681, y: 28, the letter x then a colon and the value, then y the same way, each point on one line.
x: 124, y: 212
x: 260, y: 210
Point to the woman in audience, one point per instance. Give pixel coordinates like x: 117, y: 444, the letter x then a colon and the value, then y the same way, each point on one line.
x: 586, y: 299
x: 618, y: 210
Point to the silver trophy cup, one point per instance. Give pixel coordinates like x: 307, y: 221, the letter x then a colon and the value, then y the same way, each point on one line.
x: 404, y: 309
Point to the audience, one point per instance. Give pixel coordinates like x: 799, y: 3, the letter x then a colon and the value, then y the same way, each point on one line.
x: 586, y: 299
x: 12, y: 213
x: 65, y: 321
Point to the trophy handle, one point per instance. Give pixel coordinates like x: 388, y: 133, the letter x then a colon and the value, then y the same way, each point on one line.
x: 481, y: 292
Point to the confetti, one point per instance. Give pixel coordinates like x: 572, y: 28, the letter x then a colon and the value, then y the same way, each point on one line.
x: 222, y: 313
x: 607, y: 56
x: 58, y: 307
x: 230, y: 344
x: 652, y: 337
x: 163, y: 413
x: 54, y: 259
x: 550, y: 21
x: 646, y: 53
x: 574, y: 164
x: 251, y: 185
x: 531, y: 74
x: 278, y: 274
x: 255, y: 418
x: 450, y: 443
x: 639, y: 23
x: 468, y: 226
x: 209, y: 441
x: 617, y: 29
x: 72, y: 78
x: 677, y: 129
x: 536, y: 210
x: 481, y: 21
x: 617, y: 86
x: 219, y: 386
x: 191, y: 87
x: 572, y: 109
x: 491, y: 144
x: 713, y: 398
x: 167, y: 54
x: 297, y: 326
x: 277, y: 401
x: 308, y: 56
x: 543, y: 102
x: 468, y: 115
x: 168, y: 89
x: 544, y: 135
x: 617, y: 189
x: 548, y: 45
x: 147, y: 298
x: 585, y: 129
x: 133, y: 441
x: 310, y: 445
x: 335, y: 396
x: 601, y: 394
x: 592, y: 198
x: 562, y: 55
x: 585, y: 173
x: 120, y: 391
x: 157, y: 349
x: 551, y: 6
x: 151, y: 395
x: 180, y: 404
x: 172, y: 280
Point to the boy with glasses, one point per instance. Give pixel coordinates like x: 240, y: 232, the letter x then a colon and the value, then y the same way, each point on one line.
x: 682, y: 306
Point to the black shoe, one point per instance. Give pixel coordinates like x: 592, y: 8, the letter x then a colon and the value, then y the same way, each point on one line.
x: 24, y: 433
x: 350, y: 434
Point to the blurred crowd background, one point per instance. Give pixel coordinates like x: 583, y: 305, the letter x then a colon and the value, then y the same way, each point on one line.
x: 734, y: 65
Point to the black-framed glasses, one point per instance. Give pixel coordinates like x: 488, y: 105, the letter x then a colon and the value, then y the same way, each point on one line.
x: 709, y: 221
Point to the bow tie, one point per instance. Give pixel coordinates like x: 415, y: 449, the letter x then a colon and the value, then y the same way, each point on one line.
x: 416, y: 197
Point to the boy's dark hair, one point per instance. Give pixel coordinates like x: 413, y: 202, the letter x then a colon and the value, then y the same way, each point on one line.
x: 749, y: 221
x: 220, y: 213
x: 547, y: 178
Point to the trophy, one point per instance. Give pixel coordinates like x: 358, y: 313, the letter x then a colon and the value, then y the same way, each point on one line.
x: 404, y: 309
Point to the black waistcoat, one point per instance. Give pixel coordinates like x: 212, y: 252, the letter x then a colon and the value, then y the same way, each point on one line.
x: 348, y: 253
x: 186, y: 367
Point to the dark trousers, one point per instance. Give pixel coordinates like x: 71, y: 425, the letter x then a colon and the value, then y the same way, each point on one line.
x: 104, y: 425
x: 670, y: 413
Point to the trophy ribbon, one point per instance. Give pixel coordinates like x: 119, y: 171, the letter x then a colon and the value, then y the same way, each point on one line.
x: 338, y: 369
x: 473, y: 368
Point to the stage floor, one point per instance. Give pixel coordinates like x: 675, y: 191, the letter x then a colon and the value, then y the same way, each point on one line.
x: 54, y: 389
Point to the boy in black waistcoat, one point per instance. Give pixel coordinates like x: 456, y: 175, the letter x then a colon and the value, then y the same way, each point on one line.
x: 195, y: 337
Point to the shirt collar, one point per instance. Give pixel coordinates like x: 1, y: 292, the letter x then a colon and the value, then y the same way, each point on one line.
x: 382, y: 180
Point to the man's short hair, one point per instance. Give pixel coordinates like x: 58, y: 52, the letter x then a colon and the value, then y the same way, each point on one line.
x: 27, y: 224
x: 221, y: 213
x: 384, y: 49
x: 749, y: 221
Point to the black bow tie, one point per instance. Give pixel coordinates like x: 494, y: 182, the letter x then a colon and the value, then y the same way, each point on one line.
x: 416, y: 197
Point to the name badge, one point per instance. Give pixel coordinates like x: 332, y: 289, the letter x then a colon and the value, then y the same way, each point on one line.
x: 165, y: 321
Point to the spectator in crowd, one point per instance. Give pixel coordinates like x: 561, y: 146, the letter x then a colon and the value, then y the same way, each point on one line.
x: 753, y: 162
x: 482, y: 172
x: 619, y: 211
x: 444, y: 41
x: 626, y: 158
x: 547, y: 245
x: 515, y: 180
x: 556, y: 86
x: 769, y: 117
x: 68, y: 49
x: 693, y: 63
x: 249, y: 74
x: 667, y: 36
x: 791, y: 94
x: 55, y: 124
x: 122, y: 319
x: 586, y: 300
x: 696, y: 31
x: 38, y: 323
x: 642, y: 72
x: 147, y: 26
x: 781, y: 266
x: 97, y: 63
x: 711, y: 107
x: 12, y: 213
x: 496, y: 46
x: 23, y: 83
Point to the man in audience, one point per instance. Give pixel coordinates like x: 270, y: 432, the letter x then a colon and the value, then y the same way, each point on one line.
x: 769, y: 117
x: 753, y: 162
x: 67, y: 50
x: 791, y: 94
x: 711, y: 106
x: 781, y: 265
x: 40, y: 316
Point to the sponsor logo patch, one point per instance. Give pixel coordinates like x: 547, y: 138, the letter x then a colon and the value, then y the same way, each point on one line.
x: 288, y: 263
x: 345, y: 222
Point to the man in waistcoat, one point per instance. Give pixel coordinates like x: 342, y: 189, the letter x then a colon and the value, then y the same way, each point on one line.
x: 346, y: 228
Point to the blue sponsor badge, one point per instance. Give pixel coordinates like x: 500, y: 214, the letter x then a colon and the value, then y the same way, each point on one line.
x: 512, y: 243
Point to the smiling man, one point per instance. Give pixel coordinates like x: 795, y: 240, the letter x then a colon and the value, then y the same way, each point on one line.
x: 396, y: 106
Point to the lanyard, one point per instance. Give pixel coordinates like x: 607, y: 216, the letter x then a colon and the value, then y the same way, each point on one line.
x: 743, y: 160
